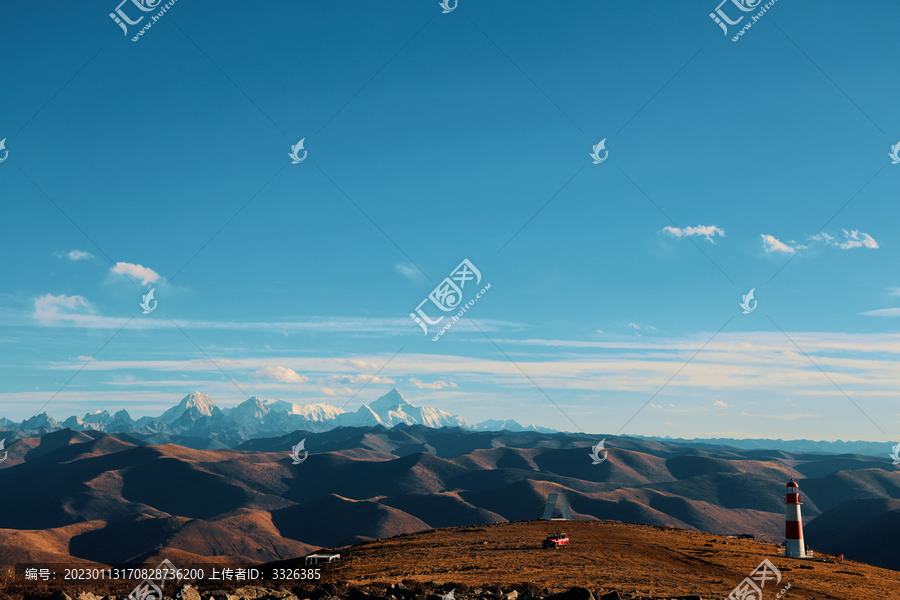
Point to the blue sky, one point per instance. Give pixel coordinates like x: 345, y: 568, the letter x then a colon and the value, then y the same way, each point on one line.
x: 434, y: 138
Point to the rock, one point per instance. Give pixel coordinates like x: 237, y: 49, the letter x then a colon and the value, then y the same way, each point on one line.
x: 58, y: 595
x: 576, y: 593
x: 513, y: 595
x: 250, y: 592
x: 359, y: 595
x: 86, y: 596
x: 219, y: 595
x: 613, y: 595
x: 189, y: 593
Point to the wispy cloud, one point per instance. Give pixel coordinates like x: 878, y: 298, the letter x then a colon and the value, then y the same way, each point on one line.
x: 707, y: 231
x: 73, y: 310
x: 790, y: 417
x: 882, y: 312
x: 720, y: 404
x: 359, y: 364
x: 337, y: 392
x: 280, y: 375
x: 145, y: 274
x: 857, y: 239
x: 74, y: 255
x: 771, y: 244
x: 854, y: 239
x: 408, y: 271
x: 436, y: 385
x: 360, y: 379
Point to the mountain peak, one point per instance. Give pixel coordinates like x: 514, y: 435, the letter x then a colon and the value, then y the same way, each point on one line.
x: 391, y: 400
x: 123, y: 415
x: 203, y: 403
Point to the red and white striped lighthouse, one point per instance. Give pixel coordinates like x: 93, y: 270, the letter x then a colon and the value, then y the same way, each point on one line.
x: 793, y: 524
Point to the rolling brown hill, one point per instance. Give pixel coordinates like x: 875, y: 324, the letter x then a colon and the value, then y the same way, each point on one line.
x: 637, y: 560
x: 112, y: 498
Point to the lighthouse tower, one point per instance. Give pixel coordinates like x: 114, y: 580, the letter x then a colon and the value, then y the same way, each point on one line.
x: 793, y: 524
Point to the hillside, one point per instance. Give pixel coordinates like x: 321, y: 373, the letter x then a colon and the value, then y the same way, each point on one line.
x: 111, y: 497
x: 638, y: 560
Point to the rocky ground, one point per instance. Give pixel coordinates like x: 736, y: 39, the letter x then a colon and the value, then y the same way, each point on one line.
x: 606, y: 561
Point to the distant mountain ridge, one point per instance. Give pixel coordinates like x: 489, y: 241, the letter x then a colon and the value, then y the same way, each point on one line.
x: 879, y: 449
x: 112, y: 497
x: 197, y: 422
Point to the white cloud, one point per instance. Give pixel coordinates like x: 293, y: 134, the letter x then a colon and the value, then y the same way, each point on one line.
x: 338, y: 392
x: 823, y: 236
x: 720, y: 404
x: 789, y: 417
x: 894, y: 291
x: 357, y: 379
x: 279, y: 374
x: 359, y: 364
x: 633, y: 325
x: 408, y: 271
x: 145, y: 274
x: 882, y: 312
x: 854, y: 241
x: 431, y: 386
x: 707, y: 231
x: 770, y: 244
x: 74, y: 255
x: 69, y: 310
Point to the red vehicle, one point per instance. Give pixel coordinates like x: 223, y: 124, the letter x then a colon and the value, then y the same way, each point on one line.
x: 556, y: 540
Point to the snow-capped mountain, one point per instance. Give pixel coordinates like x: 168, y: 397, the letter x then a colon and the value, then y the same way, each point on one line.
x: 510, y: 425
x: 42, y: 422
x: 393, y: 409
x: 267, y: 414
x: 198, y: 422
x: 203, y: 403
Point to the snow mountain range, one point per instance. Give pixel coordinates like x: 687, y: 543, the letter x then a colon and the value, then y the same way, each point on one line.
x: 198, y: 422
